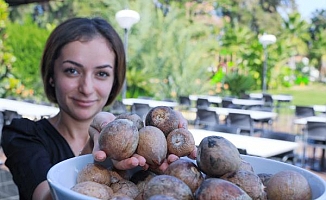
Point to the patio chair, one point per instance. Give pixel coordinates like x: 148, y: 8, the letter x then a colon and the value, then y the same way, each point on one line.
x: 242, y: 121
x: 315, y: 137
x: 206, y: 119
x: 202, y: 103
x: 118, y: 108
x: 184, y: 102
x: 304, y: 111
x: 140, y: 109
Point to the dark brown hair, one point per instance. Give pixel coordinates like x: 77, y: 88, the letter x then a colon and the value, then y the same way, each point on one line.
x: 77, y: 29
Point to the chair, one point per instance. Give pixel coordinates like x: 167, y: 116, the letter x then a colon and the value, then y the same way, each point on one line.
x: 242, y: 121
x: 315, y: 136
x: 268, y: 100
x: 140, y: 109
x: 304, y: 111
x: 289, y: 156
x: 267, y: 121
x: 206, y: 118
x: 202, y: 103
x: 227, y: 103
x: 225, y: 129
x: 185, y: 102
x: 118, y: 108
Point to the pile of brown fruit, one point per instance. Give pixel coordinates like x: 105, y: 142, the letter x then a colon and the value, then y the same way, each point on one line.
x: 219, y: 172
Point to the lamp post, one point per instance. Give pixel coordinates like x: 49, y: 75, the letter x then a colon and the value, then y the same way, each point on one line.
x: 126, y: 19
x: 266, y: 40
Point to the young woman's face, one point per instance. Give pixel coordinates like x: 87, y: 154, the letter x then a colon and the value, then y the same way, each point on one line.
x: 83, y: 77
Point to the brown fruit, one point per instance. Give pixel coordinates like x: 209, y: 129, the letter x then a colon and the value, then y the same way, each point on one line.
x: 94, y: 172
x: 187, y: 171
x: 217, y: 156
x: 180, y: 142
x: 93, y: 189
x: 125, y: 187
x: 219, y: 189
x: 136, y: 119
x: 288, y: 184
x: 249, y: 182
x: 152, y: 145
x: 246, y: 166
x: 169, y: 186
x: 119, y: 139
x: 162, y: 117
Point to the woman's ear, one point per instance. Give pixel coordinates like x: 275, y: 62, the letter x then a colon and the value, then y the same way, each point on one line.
x: 51, y: 81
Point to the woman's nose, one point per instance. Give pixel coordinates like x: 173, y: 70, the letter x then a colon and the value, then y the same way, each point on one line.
x: 86, y: 85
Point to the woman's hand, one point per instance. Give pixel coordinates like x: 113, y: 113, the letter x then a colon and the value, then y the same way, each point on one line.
x: 102, y: 119
x: 99, y: 122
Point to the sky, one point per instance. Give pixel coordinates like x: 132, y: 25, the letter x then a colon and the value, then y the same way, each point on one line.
x: 306, y: 7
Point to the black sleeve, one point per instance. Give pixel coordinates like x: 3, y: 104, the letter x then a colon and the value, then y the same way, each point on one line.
x: 27, y: 157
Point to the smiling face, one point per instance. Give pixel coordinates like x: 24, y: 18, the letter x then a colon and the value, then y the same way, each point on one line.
x: 83, y: 77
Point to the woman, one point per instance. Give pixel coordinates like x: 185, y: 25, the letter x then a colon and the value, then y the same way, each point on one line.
x: 83, y: 69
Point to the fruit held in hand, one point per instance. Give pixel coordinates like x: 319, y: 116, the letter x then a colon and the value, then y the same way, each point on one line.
x: 162, y: 117
x: 119, y: 139
x: 152, y: 145
x: 180, y: 142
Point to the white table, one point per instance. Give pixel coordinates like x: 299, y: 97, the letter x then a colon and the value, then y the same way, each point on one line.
x: 262, y: 147
x: 211, y: 99
x: 26, y: 109
x: 247, y: 102
x: 217, y: 99
x: 277, y: 97
x: 304, y: 120
x: 255, y: 114
x: 320, y: 108
x: 150, y: 102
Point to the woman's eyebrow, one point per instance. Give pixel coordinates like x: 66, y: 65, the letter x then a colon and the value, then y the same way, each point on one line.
x: 80, y: 65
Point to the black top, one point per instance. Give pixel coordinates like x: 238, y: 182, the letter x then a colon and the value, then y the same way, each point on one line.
x: 32, y: 148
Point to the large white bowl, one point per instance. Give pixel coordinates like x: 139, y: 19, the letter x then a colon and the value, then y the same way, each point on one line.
x: 62, y: 176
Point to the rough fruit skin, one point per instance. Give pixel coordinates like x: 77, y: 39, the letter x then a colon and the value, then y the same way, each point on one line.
x: 169, y: 186
x: 249, y: 182
x: 219, y: 189
x: 162, y: 117
x: 119, y: 139
x: 134, y: 118
x: 288, y: 184
x: 152, y: 145
x: 187, y: 171
x: 94, y: 172
x: 180, y: 142
x: 217, y: 156
x: 93, y: 189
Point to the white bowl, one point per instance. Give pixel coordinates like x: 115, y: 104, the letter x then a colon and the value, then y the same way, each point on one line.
x: 62, y: 176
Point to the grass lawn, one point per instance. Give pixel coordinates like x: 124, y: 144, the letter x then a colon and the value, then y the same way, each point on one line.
x: 305, y: 95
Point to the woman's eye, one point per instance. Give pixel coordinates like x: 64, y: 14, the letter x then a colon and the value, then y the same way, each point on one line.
x: 103, y: 74
x: 71, y: 71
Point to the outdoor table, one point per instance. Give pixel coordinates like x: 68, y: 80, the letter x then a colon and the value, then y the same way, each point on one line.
x: 255, y: 114
x: 236, y: 101
x: 26, y: 109
x: 150, y: 102
x: 320, y: 108
x: 211, y: 99
x: 256, y: 146
x: 303, y: 120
